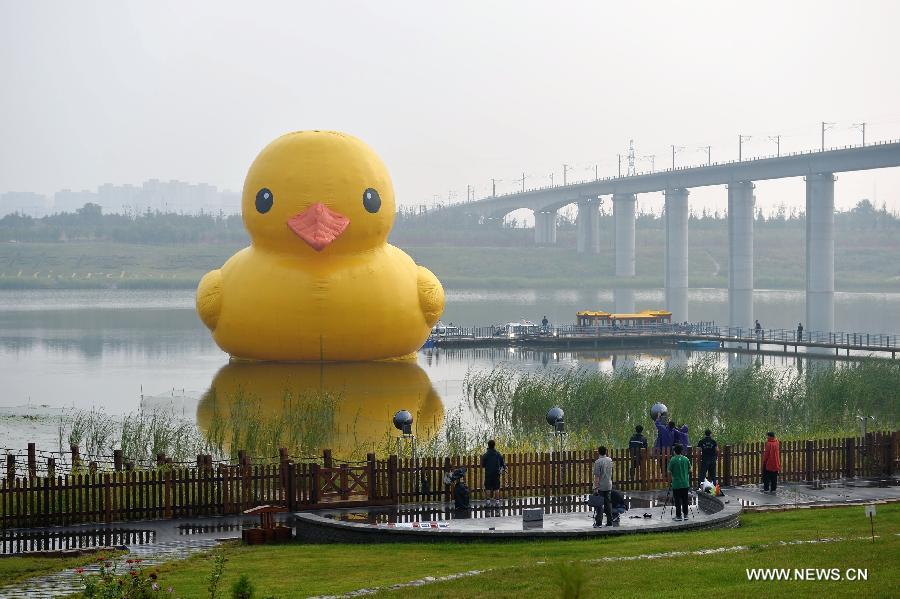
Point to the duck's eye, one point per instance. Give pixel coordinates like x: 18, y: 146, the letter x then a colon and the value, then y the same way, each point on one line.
x: 264, y: 200
x: 371, y: 200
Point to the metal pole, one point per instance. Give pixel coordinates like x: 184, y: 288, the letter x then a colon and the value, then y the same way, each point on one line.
x: 620, y: 165
x: 823, y: 136
x: 708, y: 155
x: 740, y: 141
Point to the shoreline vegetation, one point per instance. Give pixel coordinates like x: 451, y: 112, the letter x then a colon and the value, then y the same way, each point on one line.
x: 89, y: 250
x: 738, y: 405
x: 108, y: 265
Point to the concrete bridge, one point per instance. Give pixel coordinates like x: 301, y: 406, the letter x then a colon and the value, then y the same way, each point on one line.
x: 817, y: 168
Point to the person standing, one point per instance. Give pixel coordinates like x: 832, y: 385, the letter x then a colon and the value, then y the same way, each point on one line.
x: 709, y: 451
x: 771, y: 463
x: 757, y: 328
x: 493, y: 464
x: 602, y: 470
x: 799, y: 331
x: 637, y: 442
x: 680, y: 474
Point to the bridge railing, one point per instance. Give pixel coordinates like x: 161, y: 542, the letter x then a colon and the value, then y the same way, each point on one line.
x: 842, y: 339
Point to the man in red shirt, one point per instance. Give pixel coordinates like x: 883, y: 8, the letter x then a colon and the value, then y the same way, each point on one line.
x: 771, y: 463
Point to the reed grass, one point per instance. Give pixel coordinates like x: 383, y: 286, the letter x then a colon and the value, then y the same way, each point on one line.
x: 736, y: 404
x: 304, y: 425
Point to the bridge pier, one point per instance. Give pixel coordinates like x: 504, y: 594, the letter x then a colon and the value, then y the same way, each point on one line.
x: 587, y: 226
x: 545, y: 228
x: 677, y: 253
x: 820, y: 252
x: 623, y: 215
x: 740, y: 254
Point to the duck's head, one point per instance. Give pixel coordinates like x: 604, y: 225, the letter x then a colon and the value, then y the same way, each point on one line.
x: 318, y: 192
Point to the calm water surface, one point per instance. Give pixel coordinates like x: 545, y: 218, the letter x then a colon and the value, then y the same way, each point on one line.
x: 126, y: 350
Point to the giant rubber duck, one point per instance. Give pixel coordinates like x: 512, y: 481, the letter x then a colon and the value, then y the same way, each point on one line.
x: 319, y: 282
x: 345, y: 407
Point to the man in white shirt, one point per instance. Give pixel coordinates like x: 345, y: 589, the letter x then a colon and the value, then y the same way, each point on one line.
x: 602, y: 470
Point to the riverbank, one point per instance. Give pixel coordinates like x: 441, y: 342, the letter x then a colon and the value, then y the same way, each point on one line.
x: 779, y: 265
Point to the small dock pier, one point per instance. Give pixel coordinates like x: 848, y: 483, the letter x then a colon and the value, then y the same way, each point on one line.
x: 747, y: 339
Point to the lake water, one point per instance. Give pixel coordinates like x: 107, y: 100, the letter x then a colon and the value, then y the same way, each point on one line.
x: 126, y: 350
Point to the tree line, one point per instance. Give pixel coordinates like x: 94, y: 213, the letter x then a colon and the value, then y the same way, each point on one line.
x: 411, y: 226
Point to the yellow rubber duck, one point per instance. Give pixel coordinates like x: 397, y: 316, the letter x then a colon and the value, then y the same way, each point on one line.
x: 319, y: 281
x: 344, y: 407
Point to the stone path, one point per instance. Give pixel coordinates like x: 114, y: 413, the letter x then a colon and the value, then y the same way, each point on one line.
x: 172, y: 540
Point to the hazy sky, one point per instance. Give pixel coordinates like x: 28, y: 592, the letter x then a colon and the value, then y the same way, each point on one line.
x: 448, y: 94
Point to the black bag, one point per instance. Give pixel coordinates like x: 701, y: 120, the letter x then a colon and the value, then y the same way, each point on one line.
x: 461, y: 496
x: 595, y: 500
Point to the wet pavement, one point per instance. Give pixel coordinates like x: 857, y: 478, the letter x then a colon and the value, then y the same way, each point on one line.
x: 158, y: 541
x: 837, y: 492
x: 569, y: 517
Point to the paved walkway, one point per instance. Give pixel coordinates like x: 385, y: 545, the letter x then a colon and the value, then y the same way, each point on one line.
x: 168, y: 540
x: 177, y: 539
x: 791, y: 495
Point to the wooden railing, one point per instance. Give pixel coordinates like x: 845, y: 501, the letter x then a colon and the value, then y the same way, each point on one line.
x: 211, y: 490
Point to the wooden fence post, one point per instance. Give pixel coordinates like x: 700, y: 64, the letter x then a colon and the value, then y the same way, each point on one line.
x: 32, y: 461
x: 107, y: 496
x: 809, y: 461
x: 51, y: 467
x: 314, y: 483
x: 890, y: 452
x: 447, y: 467
x: 117, y: 459
x: 290, y: 487
x: 373, y: 483
x: 392, y: 477
x: 327, y: 460
x: 344, y: 482
x: 849, y: 455
x: 10, y: 469
x: 283, y: 460
x: 160, y: 460
x: 726, y: 465
x: 167, y: 493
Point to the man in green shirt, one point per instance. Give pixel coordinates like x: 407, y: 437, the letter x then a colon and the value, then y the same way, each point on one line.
x: 680, y: 472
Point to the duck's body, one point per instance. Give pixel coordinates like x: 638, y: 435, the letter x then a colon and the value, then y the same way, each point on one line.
x: 319, y: 282
x: 361, y: 307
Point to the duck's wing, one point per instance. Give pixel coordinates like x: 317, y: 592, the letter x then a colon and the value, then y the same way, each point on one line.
x: 431, y: 296
x: 209, y: 298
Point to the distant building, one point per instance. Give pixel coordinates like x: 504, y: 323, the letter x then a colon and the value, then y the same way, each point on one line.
x: 26, y: 203
x: 153, y: 195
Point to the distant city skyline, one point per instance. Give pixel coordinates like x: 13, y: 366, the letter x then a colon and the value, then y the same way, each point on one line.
x: 153, y: 194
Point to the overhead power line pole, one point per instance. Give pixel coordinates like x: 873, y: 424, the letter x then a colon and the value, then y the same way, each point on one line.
x: 825, y: 127
x: 777, y: 140
x: 861, y: 127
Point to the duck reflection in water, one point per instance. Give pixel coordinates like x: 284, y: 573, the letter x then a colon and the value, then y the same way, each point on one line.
x: 346, y: 407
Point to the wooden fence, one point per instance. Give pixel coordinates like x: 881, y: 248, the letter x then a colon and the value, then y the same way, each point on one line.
x: 171, y: 491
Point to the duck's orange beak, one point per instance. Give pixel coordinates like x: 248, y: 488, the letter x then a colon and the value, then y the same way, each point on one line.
x: 318, y: 225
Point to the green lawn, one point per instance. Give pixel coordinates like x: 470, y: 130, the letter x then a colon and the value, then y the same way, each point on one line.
x: 14, y: 569
x: 296, y: 570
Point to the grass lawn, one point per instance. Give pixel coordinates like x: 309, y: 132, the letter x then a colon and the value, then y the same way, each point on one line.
x: 529, y: 568
x: 15, y: 569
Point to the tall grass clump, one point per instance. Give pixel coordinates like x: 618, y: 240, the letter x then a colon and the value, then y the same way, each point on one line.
x: 140, y: 435
x: 304, y: 424
x: 736, y: 404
